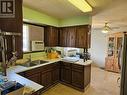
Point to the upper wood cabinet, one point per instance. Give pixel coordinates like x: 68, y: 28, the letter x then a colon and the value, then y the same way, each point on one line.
x: 71, y: 37
x: 76, y: 36
x: 51, y: 36
x: 67, y: 36
x: 82, y: 34
x: 63, y: 37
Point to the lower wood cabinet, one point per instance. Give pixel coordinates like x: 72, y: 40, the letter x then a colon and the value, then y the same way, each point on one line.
x: 35, y: 78
x: 46, y: 79
x: 65, y: 72
x: 55, y: 75
x: 65, y: 75
x: 78, y: 79
x: 77, y: 76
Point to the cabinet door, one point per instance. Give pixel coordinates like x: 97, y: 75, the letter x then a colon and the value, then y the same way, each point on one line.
x: 66, y: 72
x: 71, y: 36
x: 81, y: 37
x: 35, y: 78
x: 46, y: 79
x: 51, y: 36
x: 55, y: 75
x: 66, y: 75
x: 78, y: 79
x: 63, y: 37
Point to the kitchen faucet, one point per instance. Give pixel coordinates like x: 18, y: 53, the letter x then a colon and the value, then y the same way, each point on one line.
x: 29, y: 58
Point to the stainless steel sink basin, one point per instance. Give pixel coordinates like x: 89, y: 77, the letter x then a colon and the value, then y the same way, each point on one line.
x: 39, y: 62
x: 34, y: 63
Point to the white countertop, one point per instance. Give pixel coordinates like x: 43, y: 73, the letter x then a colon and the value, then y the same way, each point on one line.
x: 12, y: 73
x: 13, y: 76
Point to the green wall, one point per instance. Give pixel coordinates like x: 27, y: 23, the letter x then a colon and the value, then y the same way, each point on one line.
x: 77, y: 20
x: 38, y: 17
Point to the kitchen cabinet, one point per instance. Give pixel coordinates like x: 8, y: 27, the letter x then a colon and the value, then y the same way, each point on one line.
x: 46, y: 79
x: 35, y: 78
x: 71, y: 36
x: 33, y: 74
x: 70, y: 74
x: 66, y: 72
x: 75, y: 36
x: 55, y: 73
x: 13, y: 25
x: 46, y: 75
x: 63, y: 37
x: 81, y: 75
x: 77, y: 76
x: 50, y: 36
x: 82, y: 33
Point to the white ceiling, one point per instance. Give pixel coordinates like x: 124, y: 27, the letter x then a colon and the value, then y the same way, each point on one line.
x: 56, y: 8
x: 111, y: 11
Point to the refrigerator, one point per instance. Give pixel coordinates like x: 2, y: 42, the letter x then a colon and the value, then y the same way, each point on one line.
x: 123, y: 86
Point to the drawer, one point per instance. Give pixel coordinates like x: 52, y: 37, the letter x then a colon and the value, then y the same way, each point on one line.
x: 32, y: 71
x: 77, y: 67
x: 65, y: 64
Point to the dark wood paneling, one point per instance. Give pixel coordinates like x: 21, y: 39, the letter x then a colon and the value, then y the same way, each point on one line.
x: 87, y: 75
x: 14, y: 25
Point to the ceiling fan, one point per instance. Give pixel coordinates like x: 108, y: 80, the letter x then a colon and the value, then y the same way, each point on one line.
x: 106, y: 28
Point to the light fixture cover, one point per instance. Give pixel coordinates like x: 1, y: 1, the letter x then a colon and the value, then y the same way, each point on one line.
x: 82, y: 5
x: 106, y: 28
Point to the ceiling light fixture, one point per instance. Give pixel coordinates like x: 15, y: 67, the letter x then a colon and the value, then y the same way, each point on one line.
x: 82, y: 5
x: 106, y: 28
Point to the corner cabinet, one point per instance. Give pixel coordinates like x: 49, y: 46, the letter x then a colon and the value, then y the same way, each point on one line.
x: 113, y: 51
x: 50, y: 36
x: 75, y: 36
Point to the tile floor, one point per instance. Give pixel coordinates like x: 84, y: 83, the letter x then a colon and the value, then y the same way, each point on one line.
x: 102, y: 83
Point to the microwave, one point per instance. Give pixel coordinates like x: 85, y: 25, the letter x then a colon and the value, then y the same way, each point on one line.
x: 37, y: 45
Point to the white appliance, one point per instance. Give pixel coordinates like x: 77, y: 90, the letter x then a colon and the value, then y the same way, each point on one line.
x: 37, y: 45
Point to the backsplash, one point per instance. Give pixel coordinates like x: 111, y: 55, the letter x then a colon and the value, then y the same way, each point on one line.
x: 34, y: 55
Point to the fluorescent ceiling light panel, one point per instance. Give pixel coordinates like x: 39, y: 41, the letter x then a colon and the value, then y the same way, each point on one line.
x: 82, y: 5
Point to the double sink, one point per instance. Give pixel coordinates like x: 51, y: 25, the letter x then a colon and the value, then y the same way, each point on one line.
x: 34, y: 63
